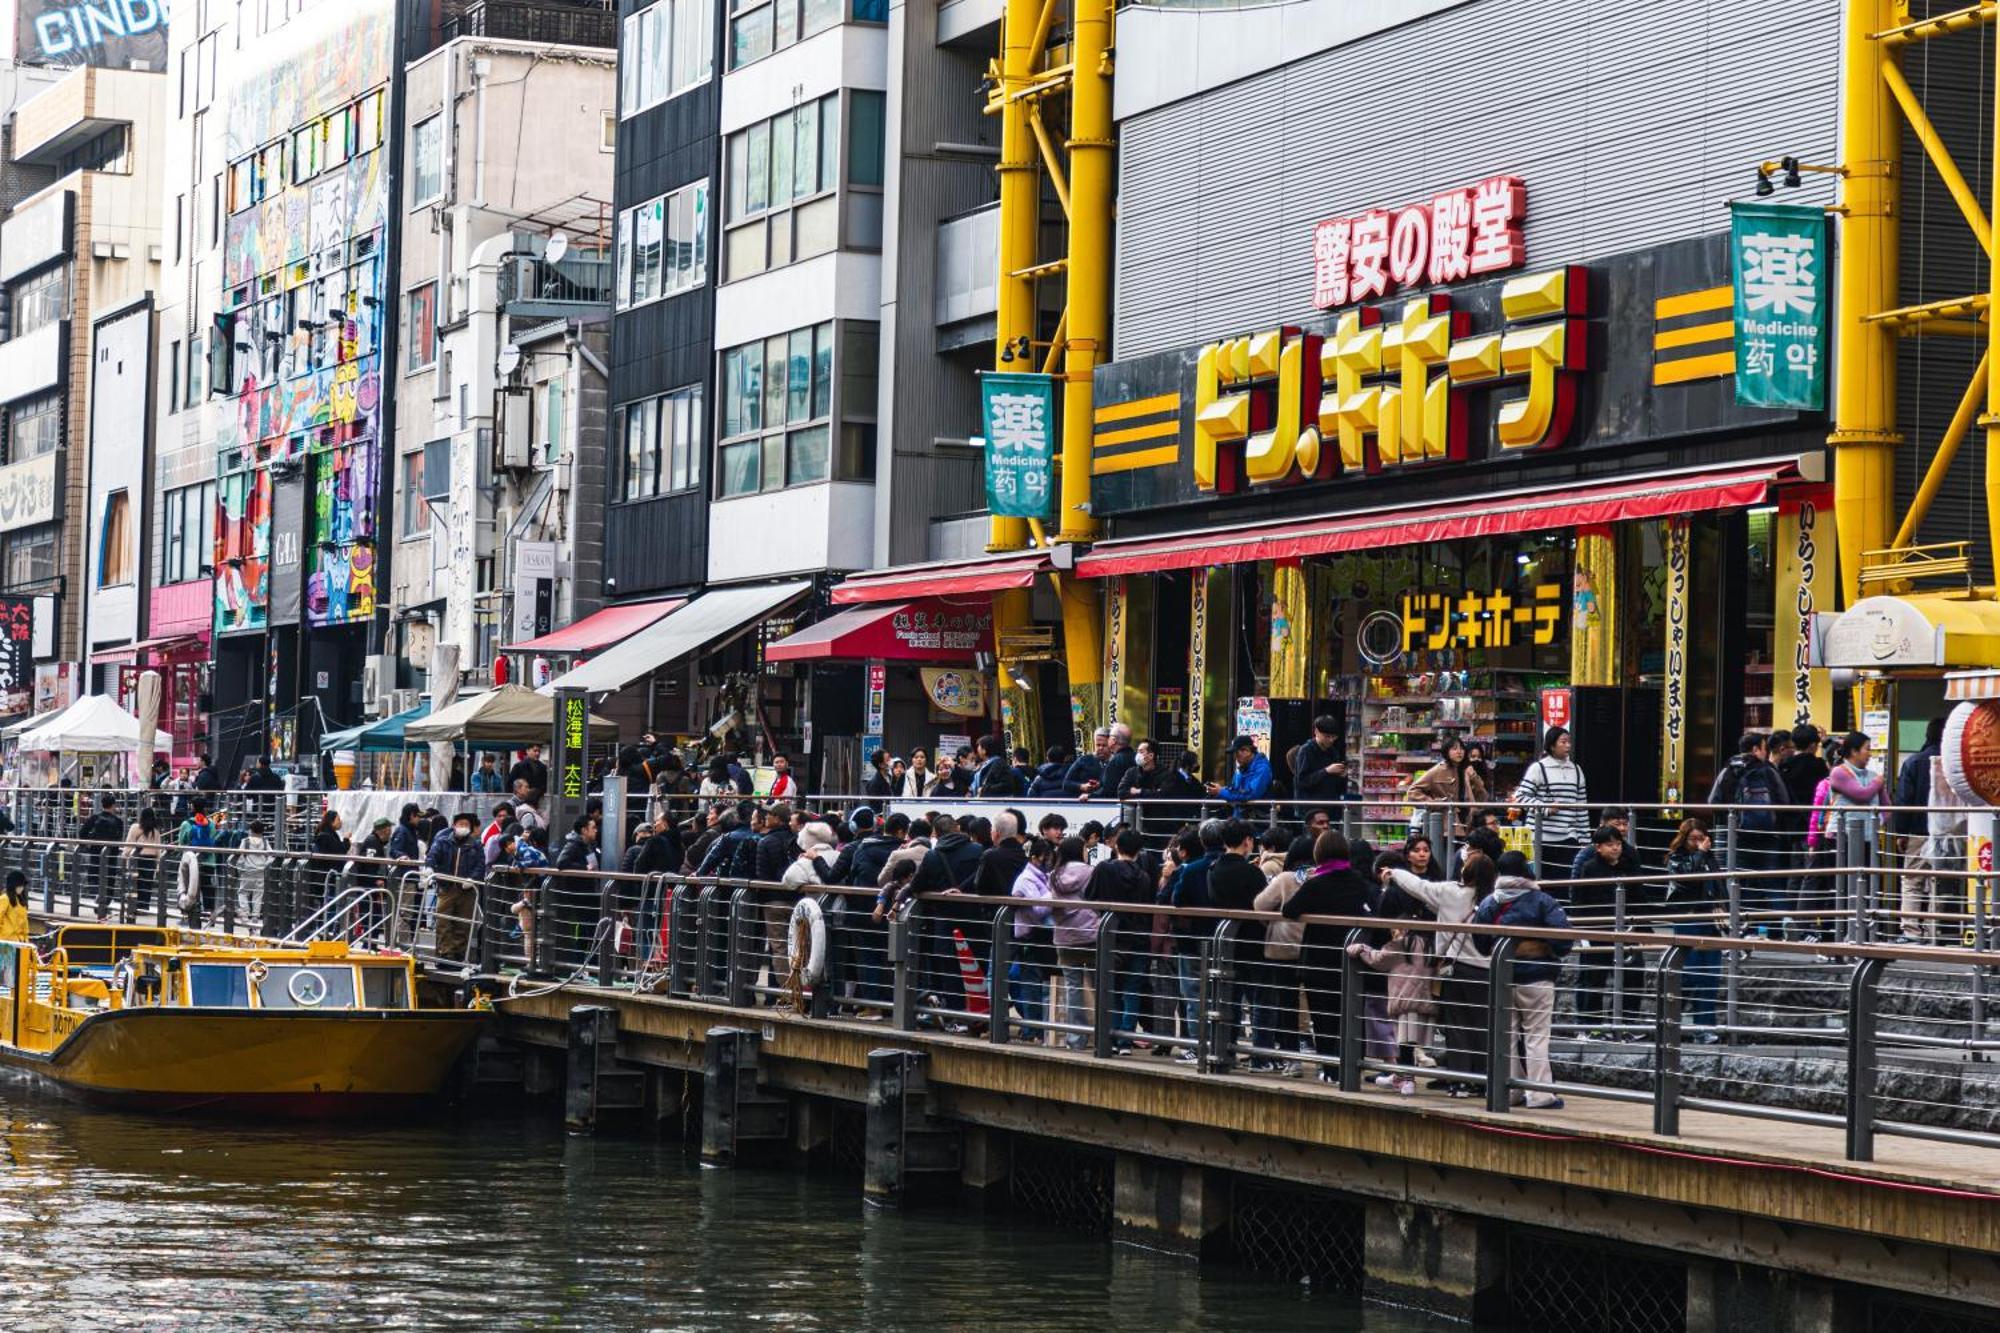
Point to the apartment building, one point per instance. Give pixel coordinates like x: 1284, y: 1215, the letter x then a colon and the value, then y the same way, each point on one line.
x: 80, y: 259
x: 505, y: 279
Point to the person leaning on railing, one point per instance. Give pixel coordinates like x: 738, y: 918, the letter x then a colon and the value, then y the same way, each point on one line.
x: 1334, y: 888
x: 1517, y: 901
x: 460, y: 864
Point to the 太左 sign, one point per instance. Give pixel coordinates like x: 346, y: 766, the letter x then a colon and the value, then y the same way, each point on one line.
x: 1778, y: 255
x: 1018, y: 412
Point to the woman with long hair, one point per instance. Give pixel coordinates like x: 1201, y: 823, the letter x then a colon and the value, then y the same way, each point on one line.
x: 1695, y: 902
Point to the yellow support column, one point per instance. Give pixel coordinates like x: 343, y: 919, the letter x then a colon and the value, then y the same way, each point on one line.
x: 1992, y: 418
x: 1020, y: 213
x: 1090, y: 168
x: 1864, y: 437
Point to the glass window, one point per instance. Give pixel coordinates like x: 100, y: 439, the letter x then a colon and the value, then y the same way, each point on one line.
x: 781, y: 159
x: 805, y: 456
x: 293, y: 986
x: 427, y: 161
x: 34, y: 427
x: 819, y: 15
x: 421, y: 327
x: 305, y: 153
x: 555, y: 426
x: 799, y: 369
x: 758, y: 197
x: 666, y: 51
x: 739, y: 468
x: 774, y: 381
x: 384, y: 988
x: 805, y: 160
x: 218, y: 985
x: 368, y: 123
x: 115, y: 551
x: 864, y: 161
x: 40, y: 300
x: 750, y: 36
x: 663, y: 245
x: 31, y: 558
x: 822, y: 404
x: 416, y: 514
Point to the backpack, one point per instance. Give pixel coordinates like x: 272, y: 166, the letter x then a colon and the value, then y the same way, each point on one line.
x: 1757, y: 788
x: 199, y: 834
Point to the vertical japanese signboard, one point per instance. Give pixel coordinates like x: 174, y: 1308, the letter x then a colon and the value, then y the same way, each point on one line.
x: 17, y: 653
x: 875, y: 706
x: 571, y: 754
x: 1804, y: 547
x: 1674, y: 703
x: 1018, y: 412
x: 1779, y: 262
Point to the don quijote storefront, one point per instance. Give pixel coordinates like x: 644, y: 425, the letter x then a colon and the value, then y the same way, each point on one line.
x: 1483, y: 490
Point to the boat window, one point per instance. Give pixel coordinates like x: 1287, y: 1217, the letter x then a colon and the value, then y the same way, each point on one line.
x: 382, y: 988
x: 10, y: 963
x: 293, y: 986
x: 218, y: 985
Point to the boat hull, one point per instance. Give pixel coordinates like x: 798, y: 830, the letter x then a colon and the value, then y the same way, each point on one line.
x: 348, y: 1063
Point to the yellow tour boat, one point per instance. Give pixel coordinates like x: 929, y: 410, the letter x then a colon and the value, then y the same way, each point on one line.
x: 170, y: 1020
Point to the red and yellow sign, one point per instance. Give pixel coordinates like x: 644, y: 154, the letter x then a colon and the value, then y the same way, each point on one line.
x: 1376, y: 396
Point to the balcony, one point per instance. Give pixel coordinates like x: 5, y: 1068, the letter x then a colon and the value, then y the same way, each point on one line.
x: 967, y: 296
x: 583, y: 23
x: 532, y: 288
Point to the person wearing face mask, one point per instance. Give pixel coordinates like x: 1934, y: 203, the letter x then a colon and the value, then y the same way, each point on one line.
x: 460, y: 864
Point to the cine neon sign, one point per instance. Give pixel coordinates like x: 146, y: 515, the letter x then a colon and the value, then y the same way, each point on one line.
x: 69, y: 33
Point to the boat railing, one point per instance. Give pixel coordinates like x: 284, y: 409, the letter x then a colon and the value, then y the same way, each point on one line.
x: 352, y: 913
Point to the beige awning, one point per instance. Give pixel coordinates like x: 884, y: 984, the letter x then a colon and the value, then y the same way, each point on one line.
x: 715, y: 615
x: 508, y: 715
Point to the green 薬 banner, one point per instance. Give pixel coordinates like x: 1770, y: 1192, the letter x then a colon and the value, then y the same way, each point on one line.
x: 1779, y: 258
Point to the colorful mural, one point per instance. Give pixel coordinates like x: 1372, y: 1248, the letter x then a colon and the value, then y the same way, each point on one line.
x: 305, y: 300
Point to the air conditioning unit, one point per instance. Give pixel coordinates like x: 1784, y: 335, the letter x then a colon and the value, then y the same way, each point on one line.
x: 378, y: 683
x: 402, y: 701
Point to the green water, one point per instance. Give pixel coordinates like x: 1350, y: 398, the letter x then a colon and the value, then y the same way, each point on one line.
x: 501, y: 1222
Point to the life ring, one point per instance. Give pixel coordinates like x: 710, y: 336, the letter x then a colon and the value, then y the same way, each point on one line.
x: 807, y: 932
x: 258, y: 971
x: 189, y: 895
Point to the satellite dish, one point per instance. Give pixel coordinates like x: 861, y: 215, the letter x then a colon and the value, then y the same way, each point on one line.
x: 510, y: 358
x: 557, y: 247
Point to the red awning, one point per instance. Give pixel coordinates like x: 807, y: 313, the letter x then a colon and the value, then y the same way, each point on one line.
x: 925, y: 631
x: 1653, y: 496
x: 126, y: 652
x: 599, y: 629
x: 945, y: 578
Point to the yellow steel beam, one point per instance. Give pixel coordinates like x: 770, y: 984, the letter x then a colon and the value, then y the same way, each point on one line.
x: 1057, y: 343
x: 1938, y: 25
x: 1020, y: 217
x: 1972, y: 306
x: 1947, y: 450
x: 1864, y: 437
x: 1940, y: 156
x: 1050, y: 162
x: 1090, y: 187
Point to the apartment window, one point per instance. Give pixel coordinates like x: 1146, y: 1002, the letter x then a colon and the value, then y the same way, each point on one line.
x: 777, y: 410
x: 34, y: 427
x: 31, y: 558
x: 368, y: 123
x: 305, y: 151
x: 197, y: 368
x: 666, y: 49
x: 421, y: 327
x: 782, y: 203
x: 180, y: 224
x: 662, y: 444
x: 188, y: 532
x: 41, y: 300
x: 416, y: 513
x: 174, y: 376
x: 663, y: 245
x: 115, y: 549
x: 759, y: 27
x: 427, y: 161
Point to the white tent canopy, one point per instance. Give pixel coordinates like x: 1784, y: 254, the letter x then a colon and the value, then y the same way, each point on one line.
x: 13, y: 729
x: 93, y: 725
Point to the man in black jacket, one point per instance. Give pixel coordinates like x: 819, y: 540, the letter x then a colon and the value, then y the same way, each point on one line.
x: 960, y: 855
x: 1608, y: 858
x: 860, y: 864
x: 530, y: 769
x: 777, y: 846
x: 1318, y: 771
x: 1001, y: 864
x: 994, y: 776
x: 1122, y: 880
x: 106, y: 828
x: 1086, y: 775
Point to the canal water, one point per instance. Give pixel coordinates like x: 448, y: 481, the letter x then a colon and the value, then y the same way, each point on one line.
x: 119, y: 1221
